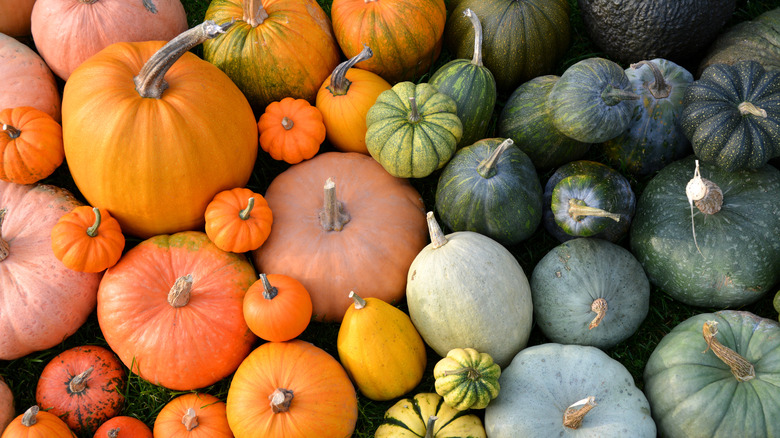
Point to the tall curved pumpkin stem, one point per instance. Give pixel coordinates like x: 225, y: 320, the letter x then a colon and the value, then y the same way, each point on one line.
x: 339, y: 84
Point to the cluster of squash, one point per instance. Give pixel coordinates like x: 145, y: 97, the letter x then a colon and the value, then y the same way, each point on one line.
x: 225, y: 202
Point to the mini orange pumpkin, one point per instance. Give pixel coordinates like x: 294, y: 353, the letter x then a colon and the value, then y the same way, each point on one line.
x: 193, y: 415
x: 35, y: 423
x: 87, y: 239
x: 30, y: 145
x: 123, y: 426
x: 277, y: 312
x: 238, y: 220
x: 291, y: 130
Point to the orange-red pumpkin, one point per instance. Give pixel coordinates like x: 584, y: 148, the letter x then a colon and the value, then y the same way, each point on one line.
x: 36, y: 423
x: 291, y: 130
x: 123, y: 426
x: 30, y: 145
x: 277, y: 307
x: 238, y: 220
x: 7, y: 410
x: 15, y: 18
x: 155, y: 154
x: 172, y: 310
x: 193, y: 415
x: 26, y: 79
x: 83, y: 386
x: 87, y: 239
x: 309, y: 392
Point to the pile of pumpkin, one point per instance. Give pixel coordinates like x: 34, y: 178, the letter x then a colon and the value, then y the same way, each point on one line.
x: 163, y: 146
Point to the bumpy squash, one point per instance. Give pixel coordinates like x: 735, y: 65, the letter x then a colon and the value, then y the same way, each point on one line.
x: 467, y: 379
x: 426, y: 415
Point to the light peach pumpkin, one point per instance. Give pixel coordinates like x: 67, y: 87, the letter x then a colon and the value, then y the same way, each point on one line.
x: 26, y: 79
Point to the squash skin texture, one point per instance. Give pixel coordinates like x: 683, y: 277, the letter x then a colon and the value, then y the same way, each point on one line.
x: 758, y: 39
x: 27, y: 80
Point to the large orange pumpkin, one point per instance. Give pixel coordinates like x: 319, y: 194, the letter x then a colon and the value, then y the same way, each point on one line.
x: 193, y: 415
x: 405, y: 35
x: 15, y: 18
x: 26, y: 79
x: 41, y: 301
x: 360, y: 233
x: 309, y: 392
x: 172, y: 310
x: 156, y: 154
x: 67, y: 32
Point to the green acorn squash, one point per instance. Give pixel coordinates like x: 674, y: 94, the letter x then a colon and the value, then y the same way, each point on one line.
x: 467, y: 379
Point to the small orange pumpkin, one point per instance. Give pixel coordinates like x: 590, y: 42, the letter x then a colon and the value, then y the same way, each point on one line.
x: 30, y: 145
x: 238, y: 220
x: 87, y: 239
x: 123, y: 426
x: 193, y: 415
x: 35, y: 423
x: 291, y: 130
x: 277, y: 312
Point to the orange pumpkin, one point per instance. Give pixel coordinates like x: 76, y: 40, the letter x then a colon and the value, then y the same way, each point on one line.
x: 155, y: 155
x: 193, y: 415
x: 277, y: 307
x: 7, y: 410
x: 82, y: 386
x: 291, y: 130
x: 43, y: 302
x: 15, y: 18
x: 405, y: 35
x: 363, y: 236
x: 172, y: 310
x: 344, y: 100
x: 26, y: 79
x: 35, y: 423
x: 87, y: 239
x: 123, y: 426
x: 30, y: 145
x: 310, y: 394
x: 238, y: 220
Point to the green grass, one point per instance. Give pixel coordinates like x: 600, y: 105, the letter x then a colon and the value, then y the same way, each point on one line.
x: 144, y: 400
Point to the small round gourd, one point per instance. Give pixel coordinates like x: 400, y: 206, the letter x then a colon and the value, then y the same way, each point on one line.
x: 30, y: 145
x: 88, y: 239
x: 291, y: 130
x: 426, y: 415
x: 238, y: 220
x: 467, y: 379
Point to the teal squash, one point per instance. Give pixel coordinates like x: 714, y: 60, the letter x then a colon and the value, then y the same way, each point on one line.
x: 471, y: 85
x: 588, y: 199
x: 715, y: 375
x: 522, y: 38
x: 728, y: 254
x: 492, y: 188
x: 413, y: 130
x: 653, y: 138
x: 592, y: 101
x: 527, y: 120
x: 731, y: 115
x: 589, y: 292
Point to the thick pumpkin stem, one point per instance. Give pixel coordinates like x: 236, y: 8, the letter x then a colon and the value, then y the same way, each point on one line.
x: 574, y: 414
x: 287, y: 123
x: 269, y: 292
x: 487, y: 168
x: 179, y: 295
x: 250, y: 204
x: 659, y: 88
x: 600, y: 307
x: 740, y: 367
x: 93, y: 230
x: 79, y: 383
x: 359, y: 302
x: 11, y: 131
x: 429, y: 426
x: 5, y: 249
x: 438, y: 239
x: 30, y: 416
x: 333, y: 216
x: 190, y: 419
x: 414, y: 114
x: 477, y: 58
x: 578, y: 210
x: 254, y: 13
x: 746, y: 108
x: 150, y: 81
x: 613, y: 96
x: 339, y: 84
x: 114, y: 433
x: 280, y: 400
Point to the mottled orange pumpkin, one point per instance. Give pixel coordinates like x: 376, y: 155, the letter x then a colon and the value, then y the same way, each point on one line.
x: 238, y: 220
x: 291, y: 130
x: 193, y: 415
x: 87, y: 239
x: 30, y: 145
x: 277, y: 307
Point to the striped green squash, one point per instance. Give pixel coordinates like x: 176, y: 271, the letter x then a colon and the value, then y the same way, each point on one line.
x: 472, y: 87
x: 413, y: 129
x: 467, y: 379
x: 426, y: 415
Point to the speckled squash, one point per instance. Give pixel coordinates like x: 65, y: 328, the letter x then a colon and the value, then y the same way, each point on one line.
x: 427, y: 415
x: 467, y: 379
x: 758, y: 40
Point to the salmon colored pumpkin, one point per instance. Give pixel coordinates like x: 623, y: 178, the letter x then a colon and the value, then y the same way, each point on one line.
x: 123, y: 426
x: 7, y: 409
x: 87, y: 239
x: 291, y: 130
x: 155, y: 154
x: 344, y: 100
x: 309, y: 392
x: 15, y: 18
x: 193, y: 415
x: 26, y: 79
x: 172, y: 310
x: 30, y: 145
x: 238, y: 220
x: 36, y: 423
x: 67, y: 32
x: 405, y: 35
x: 277, y: 307
x: 41, y: 301
x: 83, y: 386
x: 342, y: 223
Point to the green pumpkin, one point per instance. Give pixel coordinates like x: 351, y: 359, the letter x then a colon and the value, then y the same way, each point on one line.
x: 587, y: 199
x: 491, y: 188
x: 730, y: 255
x: 592, y: 101
x: 653, y: 138
x: 467, y: 379
x: 731, y: 115
x: 758, y: 40
x: 413, y: 129
x: 697, y: 389
x: 522, y: 38
x: 527, y: 120
x: 589, y: 292
x: 472, y: 86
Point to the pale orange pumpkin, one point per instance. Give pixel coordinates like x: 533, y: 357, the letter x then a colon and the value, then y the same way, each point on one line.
x: 291, y: 130
x: 193, y: 415
x: 26, y: 79
x: 30, y: 145
x: 87, y: 239
x: 15, y: 18
x: 238, y: 220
